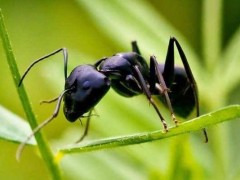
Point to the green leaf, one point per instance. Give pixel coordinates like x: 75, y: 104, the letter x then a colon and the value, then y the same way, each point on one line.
x: 13, y: 128
x: 196, y: 124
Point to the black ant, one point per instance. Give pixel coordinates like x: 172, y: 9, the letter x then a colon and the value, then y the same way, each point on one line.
x: 129, y: 75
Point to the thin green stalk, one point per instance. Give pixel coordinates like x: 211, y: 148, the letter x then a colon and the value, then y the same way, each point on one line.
x: 212, y: 51
x: 42, y: 144
x: 196, y: 124
x: 211, y: 29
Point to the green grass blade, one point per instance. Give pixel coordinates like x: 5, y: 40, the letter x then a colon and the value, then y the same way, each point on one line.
x: 228, y: 70
x: 13, y: 128
x: 231, y: 63
x: 196, y: 124
x: 212, y: 13
x: 43, y: 145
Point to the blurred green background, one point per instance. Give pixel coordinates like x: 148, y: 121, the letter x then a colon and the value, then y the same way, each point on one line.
x: 93, y: 29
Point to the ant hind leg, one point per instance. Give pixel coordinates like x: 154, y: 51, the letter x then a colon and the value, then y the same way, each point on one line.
x: 135, y: 47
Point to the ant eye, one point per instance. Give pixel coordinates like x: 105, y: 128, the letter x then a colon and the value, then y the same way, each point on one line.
x: 86, y: 85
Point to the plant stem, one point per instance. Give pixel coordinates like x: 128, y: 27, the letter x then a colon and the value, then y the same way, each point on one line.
x: 42, y: 144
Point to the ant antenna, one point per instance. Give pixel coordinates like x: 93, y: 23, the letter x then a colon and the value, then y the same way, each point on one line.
x: 44, y: 123
x: 65, y: 55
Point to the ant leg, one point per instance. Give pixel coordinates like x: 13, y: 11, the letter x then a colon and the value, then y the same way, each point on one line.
x: 189, y: 76
x: 99, y: 62
x: 135, y: 47
x: 86, y: 128
x: 44, y: 123
x: 155, y: 71
x: 65, y: 58
x: 188, y: 71
x: 168, y: 72
x: 146, y: 91
x: 49, y: 101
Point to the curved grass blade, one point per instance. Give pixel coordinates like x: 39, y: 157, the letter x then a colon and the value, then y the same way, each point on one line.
x: 196, y: 124
x: 13, y: 128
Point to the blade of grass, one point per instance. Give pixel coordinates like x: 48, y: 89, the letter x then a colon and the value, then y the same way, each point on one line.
x: 230, y: 65
x: 211, y: 45
x: 43, y: 145
x: 212, y: 13
x: 228, y: 70
x: 222, y: 115
x: 13, y: 128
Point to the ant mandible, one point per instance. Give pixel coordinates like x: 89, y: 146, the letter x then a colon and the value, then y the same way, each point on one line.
x: 129, y: 75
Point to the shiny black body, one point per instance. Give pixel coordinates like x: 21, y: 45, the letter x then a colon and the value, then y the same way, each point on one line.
x: 119, y: 68
x: 181, y: 94
x: 129, y: 75
x: 87, y: 85
x: 124, y: 80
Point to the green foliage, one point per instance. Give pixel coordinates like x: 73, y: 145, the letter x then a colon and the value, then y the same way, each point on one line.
x: 13, y: 128
x: 101, y: 28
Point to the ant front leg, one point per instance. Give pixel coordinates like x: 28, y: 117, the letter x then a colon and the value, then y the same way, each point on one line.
x: 49, y: 101
x: 58, y: 99
x: 160, y: 85
x: 44, y: 123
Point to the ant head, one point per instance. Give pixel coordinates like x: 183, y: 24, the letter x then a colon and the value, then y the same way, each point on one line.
x: 87, y: 87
